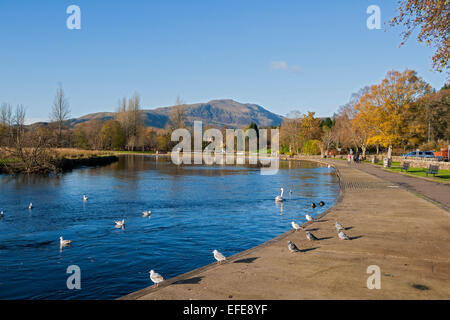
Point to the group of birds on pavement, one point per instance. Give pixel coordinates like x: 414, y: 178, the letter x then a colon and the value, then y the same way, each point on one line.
x: 311, y: 237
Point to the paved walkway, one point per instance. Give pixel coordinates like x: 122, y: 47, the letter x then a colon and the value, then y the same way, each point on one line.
x: 435, y: 191
x: 407, y: 236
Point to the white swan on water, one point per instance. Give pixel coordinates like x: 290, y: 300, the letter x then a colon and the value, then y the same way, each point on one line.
x: 280, y: 197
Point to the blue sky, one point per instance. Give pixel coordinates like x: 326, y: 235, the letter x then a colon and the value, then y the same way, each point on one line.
x: 283, y: 55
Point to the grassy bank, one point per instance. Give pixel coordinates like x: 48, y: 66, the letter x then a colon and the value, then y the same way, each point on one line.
x: 56, y: 160
x: 444, y: 175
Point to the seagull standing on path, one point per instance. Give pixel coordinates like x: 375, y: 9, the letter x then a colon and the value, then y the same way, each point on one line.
x: 64, y: 243
x: 155, y: 277
x: 218, y: 256
x: 120, y: 224
x: 310, y: 236
x: 339, y: 226
x: 343, y: 236
x: 296, y: 226
x: 309, y: 218
x: 292, y: 247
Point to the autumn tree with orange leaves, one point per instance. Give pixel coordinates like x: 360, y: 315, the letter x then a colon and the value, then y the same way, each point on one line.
x: 432, y: 18
x: 385, y: 110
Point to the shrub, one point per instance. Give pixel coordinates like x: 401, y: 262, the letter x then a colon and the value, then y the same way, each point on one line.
x: 311, y: 147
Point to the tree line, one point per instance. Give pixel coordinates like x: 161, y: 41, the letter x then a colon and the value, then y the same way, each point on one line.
x: 402, y: 111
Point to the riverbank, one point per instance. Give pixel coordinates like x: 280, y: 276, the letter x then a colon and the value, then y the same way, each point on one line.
x: 60, y: 160
x: 405, y: 235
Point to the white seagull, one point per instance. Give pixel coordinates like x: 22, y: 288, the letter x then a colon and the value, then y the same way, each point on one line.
x: 343, y: 236
x: 2, y: 214
x: 147, y: 213
x: 85, y: 198
x: 120, y: 224
x: 296, y: 226
x: 218, y: 256
x: 63, y: 242
x: 155, y: 277
x: 309, y: 218
x: 30, y: 206
x: 280, y: 197
x: 339, y: 226
x: 292, y: 247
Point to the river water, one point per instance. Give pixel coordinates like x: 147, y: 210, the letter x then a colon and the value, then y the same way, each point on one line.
x: 195, y: 209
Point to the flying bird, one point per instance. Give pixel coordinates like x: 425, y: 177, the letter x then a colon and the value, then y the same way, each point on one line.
x: 155, y: 277
x: 292, y: 247
x: 310, y: 236
x: 339, y: 226
x: 218, y: 256
x: 64, y: 243
x: 343, y: 236
x: 120, y: 224
x: 280, y: 197
x: 296, y: 226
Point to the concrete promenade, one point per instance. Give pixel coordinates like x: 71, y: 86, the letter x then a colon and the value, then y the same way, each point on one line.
x: 407, y: 236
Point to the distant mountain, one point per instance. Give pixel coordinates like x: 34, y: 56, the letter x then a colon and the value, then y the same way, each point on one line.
x: 215, y: 113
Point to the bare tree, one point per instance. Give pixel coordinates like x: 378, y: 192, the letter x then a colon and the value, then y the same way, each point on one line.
x: 130, y: 119
x: 60, y: 112
x: 177, y: 115
x: 6, y: 122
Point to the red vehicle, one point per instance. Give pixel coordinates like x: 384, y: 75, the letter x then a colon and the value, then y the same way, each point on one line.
x: 443, y: 155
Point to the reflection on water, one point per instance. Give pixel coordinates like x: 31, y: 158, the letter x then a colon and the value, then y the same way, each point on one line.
x: 195, y: 209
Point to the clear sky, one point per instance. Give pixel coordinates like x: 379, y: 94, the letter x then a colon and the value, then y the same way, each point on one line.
x: 283, y: 55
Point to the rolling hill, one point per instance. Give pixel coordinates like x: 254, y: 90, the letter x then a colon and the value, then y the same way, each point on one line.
x: 215, y: 113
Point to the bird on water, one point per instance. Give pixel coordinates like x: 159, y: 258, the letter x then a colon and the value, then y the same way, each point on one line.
x: 280, y: 197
